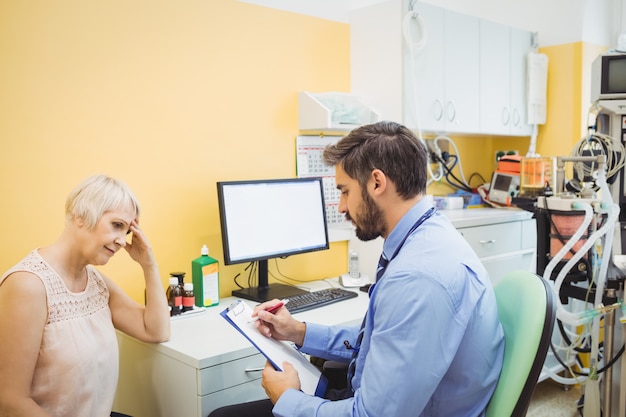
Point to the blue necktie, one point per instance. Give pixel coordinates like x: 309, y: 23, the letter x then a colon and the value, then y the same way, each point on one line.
x: 380, y: 270
x: 382, y: 264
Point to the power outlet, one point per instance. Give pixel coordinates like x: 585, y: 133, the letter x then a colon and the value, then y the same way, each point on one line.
x: 435, y: 149
x: 499, y: 154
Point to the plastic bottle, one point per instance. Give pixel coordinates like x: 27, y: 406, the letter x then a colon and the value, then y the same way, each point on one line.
x: 205, y: 278
x: 174, y: 297
x: 188, y: 297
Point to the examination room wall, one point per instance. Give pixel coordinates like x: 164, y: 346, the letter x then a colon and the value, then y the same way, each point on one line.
x: 169, y: 96
x: 174, y: 96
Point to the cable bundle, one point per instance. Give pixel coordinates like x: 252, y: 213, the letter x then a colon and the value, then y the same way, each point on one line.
x: 599, y: 144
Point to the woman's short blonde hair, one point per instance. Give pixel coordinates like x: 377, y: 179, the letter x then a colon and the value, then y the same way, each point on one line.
x: 97, y: 195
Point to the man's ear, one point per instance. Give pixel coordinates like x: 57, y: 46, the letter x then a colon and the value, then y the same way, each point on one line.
x: 378, y: 181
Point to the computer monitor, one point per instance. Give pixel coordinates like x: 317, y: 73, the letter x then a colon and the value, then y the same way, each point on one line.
x: 267, y: 219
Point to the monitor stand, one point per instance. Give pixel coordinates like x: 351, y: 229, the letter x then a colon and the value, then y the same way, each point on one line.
x: 264, y: 291
x: 262, y: 294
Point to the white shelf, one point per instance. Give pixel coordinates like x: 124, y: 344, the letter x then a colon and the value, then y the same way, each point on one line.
x: 332, y: 111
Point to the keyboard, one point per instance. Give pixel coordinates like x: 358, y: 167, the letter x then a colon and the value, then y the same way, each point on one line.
x: 315, y: 299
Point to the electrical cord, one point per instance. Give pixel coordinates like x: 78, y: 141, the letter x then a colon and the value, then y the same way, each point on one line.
x: 480, y: 177
x: 456, y: 152
x: 458, y: 184
x: 239, y: 273
x: 448, y: 161
x: 414, y: 43
x: 415, y: 40
x: 608, y: 365
x: 599, y: 144
x: 253, y: 275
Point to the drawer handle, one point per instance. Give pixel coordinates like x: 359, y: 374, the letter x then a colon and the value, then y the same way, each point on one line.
x: 253, y: 369
x: 482, y: 242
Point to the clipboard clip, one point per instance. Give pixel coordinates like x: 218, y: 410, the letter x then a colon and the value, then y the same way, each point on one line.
x: 237, y: 307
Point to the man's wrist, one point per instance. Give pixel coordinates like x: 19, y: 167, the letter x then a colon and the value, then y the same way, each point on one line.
x: 301, y: 332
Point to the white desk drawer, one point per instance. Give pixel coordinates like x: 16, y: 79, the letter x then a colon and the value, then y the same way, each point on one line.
x: 250, y: 391
x: 230, y: 374
x: 499, y: 266
x: 529, y: 234
x: 493, y: 239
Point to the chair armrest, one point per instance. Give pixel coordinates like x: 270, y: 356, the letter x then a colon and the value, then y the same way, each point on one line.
x: 335, y: 367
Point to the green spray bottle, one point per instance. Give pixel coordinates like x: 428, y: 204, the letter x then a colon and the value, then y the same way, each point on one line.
x: 205, y: 278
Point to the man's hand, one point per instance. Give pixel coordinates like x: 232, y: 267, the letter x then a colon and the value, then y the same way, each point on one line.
x: 276, y: 383
x: 279, y: 325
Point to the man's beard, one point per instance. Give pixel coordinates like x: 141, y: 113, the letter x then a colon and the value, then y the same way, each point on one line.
x: 369, y: 222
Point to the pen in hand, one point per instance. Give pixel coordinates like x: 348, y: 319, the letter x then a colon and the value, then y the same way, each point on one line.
x: 272, y: 309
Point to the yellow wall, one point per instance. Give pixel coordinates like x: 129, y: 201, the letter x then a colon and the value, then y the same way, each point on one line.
x: 171, y: 96
x: 174, y: 96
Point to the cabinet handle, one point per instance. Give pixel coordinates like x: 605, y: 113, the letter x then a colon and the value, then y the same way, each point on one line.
x: 506, y: 116
x: 517, y: 118
x: 437, y: 108
x: 451, y: 111
x: 253, y: 369
x: 483, y: 242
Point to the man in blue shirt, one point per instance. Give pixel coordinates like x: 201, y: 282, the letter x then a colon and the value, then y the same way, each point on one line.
x: 430, y: 343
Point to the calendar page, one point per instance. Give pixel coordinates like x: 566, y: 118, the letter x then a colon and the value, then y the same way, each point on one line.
x: 309, y: 163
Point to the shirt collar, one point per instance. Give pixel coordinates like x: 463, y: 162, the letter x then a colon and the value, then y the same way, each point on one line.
x: 404, y: 225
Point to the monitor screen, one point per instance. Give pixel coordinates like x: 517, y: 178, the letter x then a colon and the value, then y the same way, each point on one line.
x: 616, y: 75
x: 613, y: 75
x: 267, y: 219
x: 502, y: 182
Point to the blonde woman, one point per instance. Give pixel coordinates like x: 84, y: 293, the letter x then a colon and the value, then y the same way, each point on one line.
x: 59, y: 313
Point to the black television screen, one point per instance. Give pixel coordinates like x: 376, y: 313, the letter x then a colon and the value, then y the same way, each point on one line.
x: 613, y: 75
x: 266, y: 219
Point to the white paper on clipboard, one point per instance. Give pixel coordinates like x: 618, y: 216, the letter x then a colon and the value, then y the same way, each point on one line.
x: 312, y: 381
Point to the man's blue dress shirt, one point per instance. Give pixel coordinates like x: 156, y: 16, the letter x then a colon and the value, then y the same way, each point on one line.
x: 432, y: 343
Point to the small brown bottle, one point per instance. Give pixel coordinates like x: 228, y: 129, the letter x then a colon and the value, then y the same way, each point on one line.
x: 174, y: 297
x: 188, y: 297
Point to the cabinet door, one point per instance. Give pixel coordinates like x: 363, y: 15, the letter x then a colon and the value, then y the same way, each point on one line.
x: 503, y: 52
x: 423, y: 93
x: 495, y: 80
x: 461, y: 72
x: 521, y: 43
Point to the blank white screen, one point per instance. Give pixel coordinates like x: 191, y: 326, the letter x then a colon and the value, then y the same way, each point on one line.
x: 269, y: 219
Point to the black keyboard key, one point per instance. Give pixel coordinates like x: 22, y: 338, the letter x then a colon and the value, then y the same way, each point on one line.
x: 315, y: 299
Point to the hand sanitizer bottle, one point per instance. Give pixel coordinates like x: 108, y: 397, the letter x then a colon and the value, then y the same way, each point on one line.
x: 205, y: 278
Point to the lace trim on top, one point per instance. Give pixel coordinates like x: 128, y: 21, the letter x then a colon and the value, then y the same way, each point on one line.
x: 64, y: 305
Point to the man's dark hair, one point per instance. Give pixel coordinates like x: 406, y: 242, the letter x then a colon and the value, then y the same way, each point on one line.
x: 387, y: 146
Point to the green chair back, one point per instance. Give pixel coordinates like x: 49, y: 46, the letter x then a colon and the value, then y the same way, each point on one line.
x: 527, y: 313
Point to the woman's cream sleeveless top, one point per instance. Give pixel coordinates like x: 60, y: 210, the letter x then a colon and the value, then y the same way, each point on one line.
x: 77, y: 369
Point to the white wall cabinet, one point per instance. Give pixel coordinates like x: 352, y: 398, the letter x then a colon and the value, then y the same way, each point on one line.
x: 503, y: 52
x: 441, y: 78
x: 447, y: 83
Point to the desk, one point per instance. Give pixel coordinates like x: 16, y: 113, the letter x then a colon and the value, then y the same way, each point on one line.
x: 203, y: 365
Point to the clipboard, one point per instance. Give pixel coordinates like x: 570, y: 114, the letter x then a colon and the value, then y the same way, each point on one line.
x: 312, y: 382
